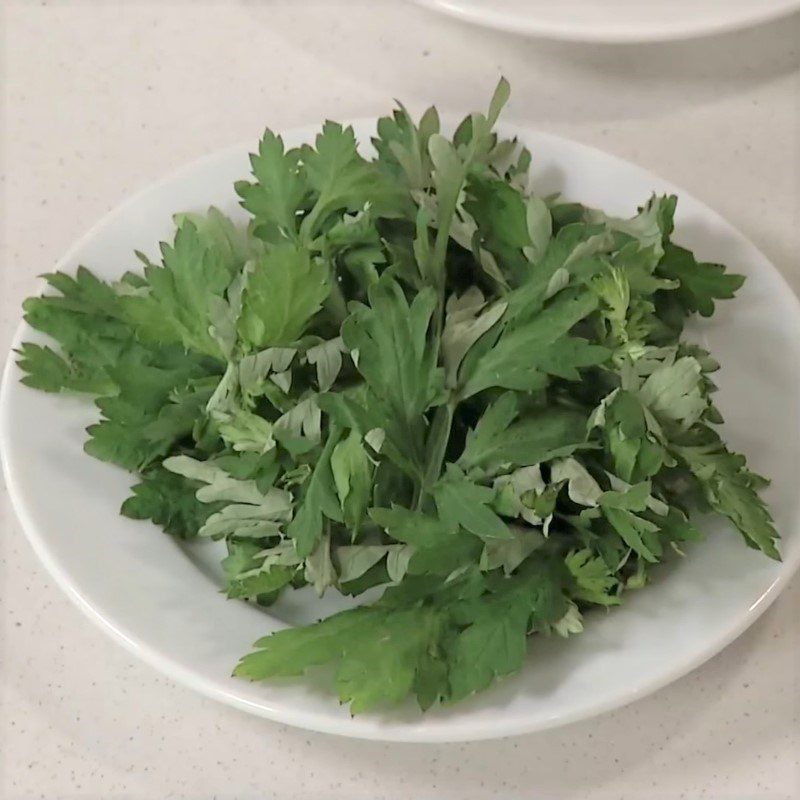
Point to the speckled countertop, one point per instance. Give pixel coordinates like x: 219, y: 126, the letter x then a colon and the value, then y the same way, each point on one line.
x: 100, y: 98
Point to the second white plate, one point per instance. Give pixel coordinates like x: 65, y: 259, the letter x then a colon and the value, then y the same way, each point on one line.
x: 615, y: 20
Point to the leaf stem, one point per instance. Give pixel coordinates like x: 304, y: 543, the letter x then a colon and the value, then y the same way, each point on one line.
x: 435, y: 450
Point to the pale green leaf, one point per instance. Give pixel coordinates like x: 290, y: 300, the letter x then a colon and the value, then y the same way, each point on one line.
x: 327, y: 357
x: 285, y: 289
x: 467, y: 318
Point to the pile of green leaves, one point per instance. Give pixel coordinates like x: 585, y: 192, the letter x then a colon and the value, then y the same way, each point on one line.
x: 410, y: 373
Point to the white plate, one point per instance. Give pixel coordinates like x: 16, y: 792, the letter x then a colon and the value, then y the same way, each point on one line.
x: 163, y: 601
x: 615, y: 20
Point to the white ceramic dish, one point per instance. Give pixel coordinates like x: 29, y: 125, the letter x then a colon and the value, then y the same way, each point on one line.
x: 615, y: 21
x: 163, y: 601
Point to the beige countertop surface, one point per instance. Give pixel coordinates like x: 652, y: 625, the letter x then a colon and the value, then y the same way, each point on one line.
x: 102, y: 97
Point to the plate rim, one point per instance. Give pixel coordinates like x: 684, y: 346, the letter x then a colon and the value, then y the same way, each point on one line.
x: 560, y: 31
x: 458, y: 731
